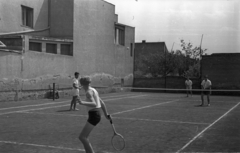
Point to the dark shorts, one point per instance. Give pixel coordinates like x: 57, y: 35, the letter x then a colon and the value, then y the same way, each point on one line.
x: 206, y: 92
x: 75, y: 98
x: 94, y: 116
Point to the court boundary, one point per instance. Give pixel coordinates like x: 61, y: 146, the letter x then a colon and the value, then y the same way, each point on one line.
x: 205, y: 129
x: 45, y: 146
x: 64, y: 105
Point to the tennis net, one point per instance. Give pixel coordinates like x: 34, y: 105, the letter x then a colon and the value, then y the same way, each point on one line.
x: 232, y: 92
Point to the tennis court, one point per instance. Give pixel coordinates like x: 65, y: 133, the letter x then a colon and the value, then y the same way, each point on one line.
x: 149, y: 122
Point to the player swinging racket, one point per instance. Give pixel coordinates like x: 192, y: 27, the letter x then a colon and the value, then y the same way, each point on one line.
x: 94, y: 105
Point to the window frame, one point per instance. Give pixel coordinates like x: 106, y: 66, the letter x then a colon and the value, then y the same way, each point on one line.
x: 36, y: 43
x: 70, y: 52
x: 27, y: 16
x: 55, y: 47
x: 120, y: 35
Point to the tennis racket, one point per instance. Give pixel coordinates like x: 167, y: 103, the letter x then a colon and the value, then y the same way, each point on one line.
x: 118, y: 141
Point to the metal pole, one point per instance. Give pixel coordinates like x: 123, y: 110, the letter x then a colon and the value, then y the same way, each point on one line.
x: 201, y: 62
x: 165, y: 69
x: 172, y: 46
x: 201, y: 57
x: 53, y: 91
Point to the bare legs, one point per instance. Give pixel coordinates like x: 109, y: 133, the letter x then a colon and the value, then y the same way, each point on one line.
x: 73, y: 103
x: 83, y: 137
x: 208, y: 99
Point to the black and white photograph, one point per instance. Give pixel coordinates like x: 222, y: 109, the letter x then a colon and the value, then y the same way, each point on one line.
x: 119, y: 76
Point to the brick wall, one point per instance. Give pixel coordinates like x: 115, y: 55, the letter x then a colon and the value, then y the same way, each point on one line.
x: 173, y: 82
x: 223, y: 70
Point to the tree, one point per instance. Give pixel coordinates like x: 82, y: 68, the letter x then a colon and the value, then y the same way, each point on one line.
x: 193, y: 55
x: 184, y: 62
x: 158, y: 64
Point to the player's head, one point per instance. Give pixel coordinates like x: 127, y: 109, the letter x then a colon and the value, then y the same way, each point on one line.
x: 205, y: 77
x: 76, y: 74
x: 85, y: 81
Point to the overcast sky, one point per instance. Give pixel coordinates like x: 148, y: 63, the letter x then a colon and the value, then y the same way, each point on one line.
x: 172, y: 20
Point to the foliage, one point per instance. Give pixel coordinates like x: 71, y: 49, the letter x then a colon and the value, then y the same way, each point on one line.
x: 193, y: 53
x: 184, y: 62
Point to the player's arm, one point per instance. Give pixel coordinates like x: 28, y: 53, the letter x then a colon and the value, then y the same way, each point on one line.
x: 91, y: 102
x: 104, y: 108
x: 210, y: 88
x: 202, y: 85
x: 75, y: 86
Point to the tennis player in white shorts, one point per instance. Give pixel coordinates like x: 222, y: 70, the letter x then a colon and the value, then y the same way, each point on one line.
x: 188, y: 84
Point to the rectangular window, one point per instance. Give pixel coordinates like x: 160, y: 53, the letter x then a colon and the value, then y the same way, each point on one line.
x: 120, y: 35
x: 66, y: 49
x: 12, y: 43
x: 51, y: 48
x: 35, y: 46
x: 2, y: 44
x: 27, y: 16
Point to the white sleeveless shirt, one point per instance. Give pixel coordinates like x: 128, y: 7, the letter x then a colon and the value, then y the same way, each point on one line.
x: 96, y: 98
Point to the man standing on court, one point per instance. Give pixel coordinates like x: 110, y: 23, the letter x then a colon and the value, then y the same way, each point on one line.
x: 188, y: 84
x: 206, y: 89
x: 75, y: 90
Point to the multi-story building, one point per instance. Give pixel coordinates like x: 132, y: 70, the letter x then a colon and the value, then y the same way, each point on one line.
x: 45, y: 41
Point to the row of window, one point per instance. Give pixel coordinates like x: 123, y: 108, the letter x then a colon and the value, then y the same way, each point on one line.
x: 27, y: 20
x: 65, y: 49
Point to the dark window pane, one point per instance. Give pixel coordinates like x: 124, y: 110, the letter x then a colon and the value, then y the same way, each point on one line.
x: 66, y: 49
x: 34, y: 46
x: 27, y: 16
x: 51, y: 48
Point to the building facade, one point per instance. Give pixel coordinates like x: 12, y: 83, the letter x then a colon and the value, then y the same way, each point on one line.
x: 147, y: 50
x: 46, y: 41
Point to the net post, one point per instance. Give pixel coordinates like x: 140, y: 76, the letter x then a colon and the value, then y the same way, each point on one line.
x: 53, y: 93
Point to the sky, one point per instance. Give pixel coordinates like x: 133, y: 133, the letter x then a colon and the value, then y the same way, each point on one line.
x: 218, y: 21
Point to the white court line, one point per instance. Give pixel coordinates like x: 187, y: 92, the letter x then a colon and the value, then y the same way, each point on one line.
x: 55, y: 114
x: 167, y: 121
x: 226, y: 101
x: 52, y: 103
x: 135, y: 119
x: 144, y: 107
x: 44, y: 146
x: 64, y: 105
x: 207, y: 128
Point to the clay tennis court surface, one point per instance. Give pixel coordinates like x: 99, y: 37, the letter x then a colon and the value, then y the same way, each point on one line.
x: 150, y: 122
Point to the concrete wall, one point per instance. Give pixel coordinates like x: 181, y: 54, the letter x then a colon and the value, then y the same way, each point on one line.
x: 11, y: 15
x: 94, y: 52
x: 223, y: 70
x: 172, y: 82
x: 61, y: 18
x: 94, y: 47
